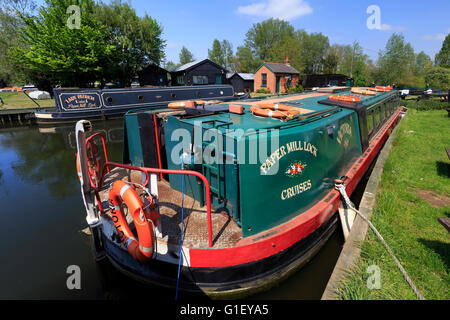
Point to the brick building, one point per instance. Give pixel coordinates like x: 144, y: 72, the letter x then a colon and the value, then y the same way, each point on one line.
x: 277, y: 77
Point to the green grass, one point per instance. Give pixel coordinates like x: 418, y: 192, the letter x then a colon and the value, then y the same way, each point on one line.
x: 18, y: 100
x: 408, y: 223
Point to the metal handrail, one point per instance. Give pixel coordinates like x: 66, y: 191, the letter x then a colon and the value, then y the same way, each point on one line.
x: 168, y: 171
x: 103, y: 142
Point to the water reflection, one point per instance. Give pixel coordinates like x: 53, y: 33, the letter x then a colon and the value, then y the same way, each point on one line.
x: 46, y: 155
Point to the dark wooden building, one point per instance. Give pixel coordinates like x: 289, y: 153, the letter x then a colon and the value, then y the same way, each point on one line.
x: 325, y: 80
x: 199, y: 72
x: 153, y: 75
x: 241, y: 82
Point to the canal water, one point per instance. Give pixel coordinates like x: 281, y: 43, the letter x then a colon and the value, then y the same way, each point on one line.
x: 42, y: 218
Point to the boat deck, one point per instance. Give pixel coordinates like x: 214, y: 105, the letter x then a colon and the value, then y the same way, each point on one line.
x: 226, y: 233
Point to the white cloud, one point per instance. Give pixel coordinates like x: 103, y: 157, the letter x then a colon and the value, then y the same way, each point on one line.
x: 438, y: 37
x: 388, y: 27
x: 281, y: 9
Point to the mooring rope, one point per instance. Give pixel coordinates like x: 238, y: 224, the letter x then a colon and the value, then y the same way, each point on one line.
x: 341, y: 188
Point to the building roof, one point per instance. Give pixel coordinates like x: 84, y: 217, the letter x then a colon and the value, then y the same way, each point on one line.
x: 192, y: 64
x: 244, y: 76
x: 187, y: 65
x: 278, y: 68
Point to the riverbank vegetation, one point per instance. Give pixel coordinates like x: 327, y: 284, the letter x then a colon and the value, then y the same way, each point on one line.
x: 414, y: 193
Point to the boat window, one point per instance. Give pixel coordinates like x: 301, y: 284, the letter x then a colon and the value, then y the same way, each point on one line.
x: 370, y: 120
x: 141, y: 98
x: 174, y: 95
x: 109, y: 99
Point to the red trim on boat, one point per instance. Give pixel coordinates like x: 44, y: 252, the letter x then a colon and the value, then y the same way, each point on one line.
x: 272, y: 241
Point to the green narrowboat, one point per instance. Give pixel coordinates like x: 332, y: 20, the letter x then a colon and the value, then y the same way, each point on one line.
x: 227, y: 199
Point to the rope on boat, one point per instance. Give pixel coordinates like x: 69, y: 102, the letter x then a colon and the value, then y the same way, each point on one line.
x: 341, y: 188
x: 181, y: 241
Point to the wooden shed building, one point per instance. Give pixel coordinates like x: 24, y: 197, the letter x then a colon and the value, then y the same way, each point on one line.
x: 199, y: 72
x: 241, y: 82
x: 326, y: 80
x: 277, y: 77
x: 153, y: 75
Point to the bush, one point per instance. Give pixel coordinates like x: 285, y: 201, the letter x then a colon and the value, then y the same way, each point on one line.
x: 425, y: 104
x: 262, y: 90
x: 299, y: 88
x: 438, y: 77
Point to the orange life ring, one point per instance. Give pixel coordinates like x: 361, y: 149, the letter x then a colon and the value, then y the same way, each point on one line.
x: 185, y: 104
x: 386, y: 88
x: 343, y: 98
x: 381, y: 89
x: 143, y: 248
x: 275, y: 110
x: 363, y: 91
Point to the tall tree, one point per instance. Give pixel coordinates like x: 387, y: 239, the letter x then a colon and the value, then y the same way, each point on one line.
x: 314, y: 49
x: 442, y: 58
x: 10, y: 23
x: 265, y: 35
x: 288, y: 47
x: 137, y: 40
x: 62, y: 55
x: 245, y: 61
x: 227, y: 51
x: 185, y: 56
x: 216, y: 54
x: 395, y: 60
x: 222, y: 54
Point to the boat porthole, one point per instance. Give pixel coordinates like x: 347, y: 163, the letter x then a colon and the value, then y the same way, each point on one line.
x: 221, y: 93
x: 198, y: 94
x: 141, y: 98
x: 174, y: 95
x: 109, y: 99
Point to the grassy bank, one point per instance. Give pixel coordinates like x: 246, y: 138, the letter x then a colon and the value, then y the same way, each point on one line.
x: 414, y: 192
x: 18, y: 100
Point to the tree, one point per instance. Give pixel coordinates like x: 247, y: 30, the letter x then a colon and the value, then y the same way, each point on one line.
x: 137, y: 40
x: 222, y: 54
x: 395, y: 61
x: 61, y: 55
x: 170, y: 66
x: 288, y: 47
x: 314, y: 49
x: 10, y: 23
x: 215, y: 54
x: 438, y: 77
x: 227, y: 51
x: 422, y: 64
x: 263, y: 36
x: 442, y: 58
x: 245, y: 61
x: 185, y: 56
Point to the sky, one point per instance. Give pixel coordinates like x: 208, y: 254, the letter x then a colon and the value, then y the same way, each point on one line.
x: 196, y: 23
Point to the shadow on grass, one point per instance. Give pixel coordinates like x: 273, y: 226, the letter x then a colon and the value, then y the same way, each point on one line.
x: 443, y: 169
x: 441, y: 248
